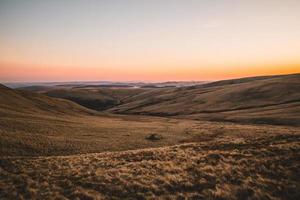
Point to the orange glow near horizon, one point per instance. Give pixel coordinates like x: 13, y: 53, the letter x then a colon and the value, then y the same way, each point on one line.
x: 147, y: 40
x: 31, y: 73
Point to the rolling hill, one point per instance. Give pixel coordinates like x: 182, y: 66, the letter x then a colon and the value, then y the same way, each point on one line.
x: 269, y: 100
x: 94, y: 97
x: 55, y: 148
x: 30, y: 102
x: 33, y: 124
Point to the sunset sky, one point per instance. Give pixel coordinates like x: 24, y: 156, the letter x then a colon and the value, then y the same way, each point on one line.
x: 147, y: 40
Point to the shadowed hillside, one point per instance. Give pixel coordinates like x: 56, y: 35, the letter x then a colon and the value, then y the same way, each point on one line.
x: 269, y: 100
x: 94, y: 97
x: 85, y: 98
x: 91, y: 96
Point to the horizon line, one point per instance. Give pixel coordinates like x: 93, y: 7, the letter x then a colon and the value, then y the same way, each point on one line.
x: 141, y: 81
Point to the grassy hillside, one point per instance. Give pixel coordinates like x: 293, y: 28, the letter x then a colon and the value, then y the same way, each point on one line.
x: 47, y: 135
x: 12, y: 101
x: 270, y: 100
x: 36, y: 135
x: 34, y: 124
x: 256, y: 167
x: 52, y: 148
x: 94, y: 97
x: 87, y: 98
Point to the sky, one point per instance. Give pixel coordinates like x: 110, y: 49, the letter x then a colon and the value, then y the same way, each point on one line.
x: 147, y: 40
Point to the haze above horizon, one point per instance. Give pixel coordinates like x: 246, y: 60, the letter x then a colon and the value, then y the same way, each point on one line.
x: 143, y: 40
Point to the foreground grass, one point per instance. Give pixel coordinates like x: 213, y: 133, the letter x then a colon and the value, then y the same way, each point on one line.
x: 54, y: 135
x: 263, y: 167
x: 37, y: 134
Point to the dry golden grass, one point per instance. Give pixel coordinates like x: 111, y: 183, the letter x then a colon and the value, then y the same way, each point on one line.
x: 39, y: 134
x: 34, y: 125
x: 65, y: 135
x: 260, y: 100
x: 262, y: 167
x: 125, y: 157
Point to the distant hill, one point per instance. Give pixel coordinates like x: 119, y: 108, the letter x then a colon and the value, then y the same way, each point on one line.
x: 268, y: 100
x: 30, y: 102
x: 89, y: 99
x: 95, y: 98
x: 36, y: 88
x: 100, y: 96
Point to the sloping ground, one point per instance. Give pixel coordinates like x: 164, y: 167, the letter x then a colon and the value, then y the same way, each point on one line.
x: 284, y: 114
x: 94, y: 97
x: 256, y: 168
x: 48, y: 135
x: 12, y: 101
x: 33, y: 124
x: 89, y: 99
x: 265, y: 98
x: 36, y: 125
x: 40, y: 135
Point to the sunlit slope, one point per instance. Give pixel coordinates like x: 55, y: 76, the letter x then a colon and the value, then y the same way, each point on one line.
x: 274, y: 100
x: 256, y: 167
x: 34, y: 124
x: 29, y: 102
